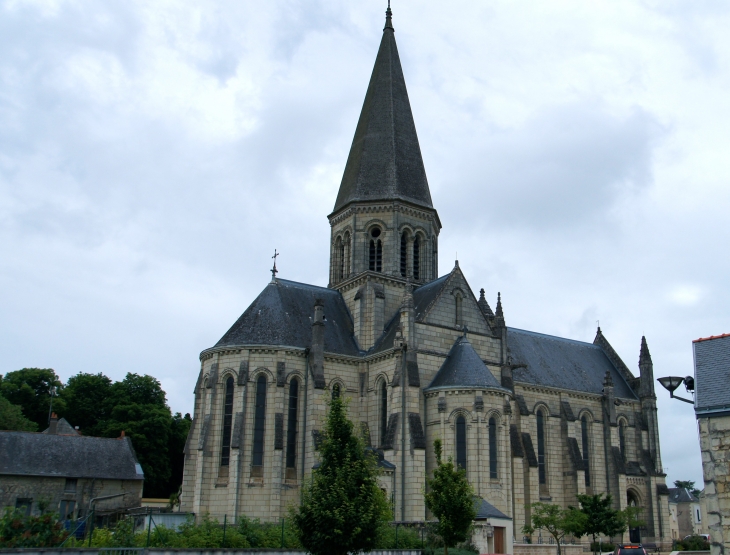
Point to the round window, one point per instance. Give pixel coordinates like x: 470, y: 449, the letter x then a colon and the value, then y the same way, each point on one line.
x: 375, y: 232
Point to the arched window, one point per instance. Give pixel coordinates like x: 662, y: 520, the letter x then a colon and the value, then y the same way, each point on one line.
x: 461, y: 442
x: 258, y: 426
x: 459, y: 315
x: 416, y: 258
x: 346, y: 258
x: 376, y: 251
x: 492, y: 448
x: 541, y: 446
x: 227, y: 420
x: 336, y: 391
x: 383, y: 411
x: 434, y: 260
x: 339, y: 259
x: 403, y: 254
x: 584, y: 437
x: 291, y: 425
x: 622, y: 438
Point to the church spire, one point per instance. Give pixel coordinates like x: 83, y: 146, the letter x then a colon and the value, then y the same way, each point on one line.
x: 385, y: 160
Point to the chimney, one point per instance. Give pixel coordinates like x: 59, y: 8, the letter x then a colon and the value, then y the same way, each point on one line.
x: 53, y: 426
x: 121, y: 436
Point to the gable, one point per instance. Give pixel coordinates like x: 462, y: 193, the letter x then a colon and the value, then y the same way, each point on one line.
x: 436, y: 303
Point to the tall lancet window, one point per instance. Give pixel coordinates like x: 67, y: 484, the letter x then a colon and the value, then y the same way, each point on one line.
x: 417, y: 258
x: 291, y: 428
x: 227, y: 421
x: 461, y: 442
x: 258, y: 428
x: 339, y: 259
x: 492, y: 448
x: 383, y: 411
x: 403, y: 254
x: 541, y: 447
x: 376, y: 251
x: 586, y: 458
x: 458, y: 317
x: 347, y: 246
x: 622, y: 438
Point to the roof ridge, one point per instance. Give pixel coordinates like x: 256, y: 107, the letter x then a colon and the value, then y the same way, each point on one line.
x: 585, y: 343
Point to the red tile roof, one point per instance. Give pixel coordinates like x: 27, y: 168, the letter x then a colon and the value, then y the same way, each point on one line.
x: 711, y: 337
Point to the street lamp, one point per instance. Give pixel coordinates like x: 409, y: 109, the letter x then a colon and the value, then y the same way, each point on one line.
x: 670, y: 383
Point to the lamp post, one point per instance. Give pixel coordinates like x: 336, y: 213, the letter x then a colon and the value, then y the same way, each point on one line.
x: 670, y: 383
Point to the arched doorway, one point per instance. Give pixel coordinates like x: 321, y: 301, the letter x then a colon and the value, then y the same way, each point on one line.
x: 632, y: 500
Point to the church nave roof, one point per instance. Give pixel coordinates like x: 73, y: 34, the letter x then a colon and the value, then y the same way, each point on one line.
x: 562, y: 363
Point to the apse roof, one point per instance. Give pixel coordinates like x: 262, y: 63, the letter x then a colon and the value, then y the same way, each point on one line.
x: 562, y: 363
x: 282, y: 315
x: 385, y: 160
x: 464, y: 367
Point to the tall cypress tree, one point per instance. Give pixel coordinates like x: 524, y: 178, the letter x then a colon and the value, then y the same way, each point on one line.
x: 342, y: 508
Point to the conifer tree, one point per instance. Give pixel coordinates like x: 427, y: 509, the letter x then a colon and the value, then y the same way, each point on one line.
x: 450, y: 498
x: 342, y: 508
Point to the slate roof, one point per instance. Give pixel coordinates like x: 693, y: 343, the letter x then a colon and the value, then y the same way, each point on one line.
x: 63, y: 428
x: 712, y: 374
x: 66, y: 456
x: 681, y: 495
x: 562, y: 363
x: 464, y: 368
x: 486, y: 510
x: 282, y: 315
x: 385, y: 160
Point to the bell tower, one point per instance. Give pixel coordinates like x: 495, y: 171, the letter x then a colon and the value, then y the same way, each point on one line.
x: 384, y: 226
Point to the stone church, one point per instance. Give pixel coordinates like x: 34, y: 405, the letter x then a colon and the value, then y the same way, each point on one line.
x: 530, y: 417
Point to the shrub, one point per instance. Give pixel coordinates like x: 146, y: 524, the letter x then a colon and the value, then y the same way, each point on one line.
x: 18, y: 530
x: 597, y: 547
x: 693, y: 543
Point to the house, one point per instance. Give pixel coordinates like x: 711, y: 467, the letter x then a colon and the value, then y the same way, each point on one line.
x: 712, y: 409
x: 686, y: 513
x: 63, y: 472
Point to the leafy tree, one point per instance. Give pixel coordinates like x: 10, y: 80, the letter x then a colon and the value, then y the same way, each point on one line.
x: 11, y: 417
x: 87, y: 398
x: 180, y: 426
x: 556, y: 521
x: 450, y: 498
x: 632, y: 517
x: 687, y: 484
x: 342, y: 508
x: 18, y: 530
x: 30, y: 389
x: 601, y: 517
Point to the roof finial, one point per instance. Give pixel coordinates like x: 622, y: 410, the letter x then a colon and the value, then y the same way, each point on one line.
x: 499, y: 312
x: 388, y: 21
x: 274, y: 271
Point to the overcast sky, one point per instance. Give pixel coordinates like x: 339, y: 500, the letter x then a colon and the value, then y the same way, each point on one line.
x: 153, y: 155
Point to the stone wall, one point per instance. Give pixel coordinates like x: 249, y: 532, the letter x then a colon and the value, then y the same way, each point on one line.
x: 546, y: 549
x: 715, y: 447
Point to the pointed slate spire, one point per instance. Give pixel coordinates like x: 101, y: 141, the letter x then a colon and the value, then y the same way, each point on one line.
x: 385, y: 160
x: 484, y: 305
x: 644, y: 355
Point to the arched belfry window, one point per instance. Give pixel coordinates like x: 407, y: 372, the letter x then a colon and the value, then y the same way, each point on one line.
x: 585, y: 443
x: 622, y: 438
x: 291, y: 425
x: 461, y: 442
x: 541, y: 466
x: 492, y: 447
x: 376, y: 251
x: 339, y: 259
x: 336, y: 391
x: 383, y: 411
x: 227, y: 421
x: 417, y: 258
x: 403, y: 254
x: 346, y: 249
x: 258, y: 427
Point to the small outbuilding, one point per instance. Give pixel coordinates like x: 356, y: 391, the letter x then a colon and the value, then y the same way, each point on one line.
x: 492, y: 532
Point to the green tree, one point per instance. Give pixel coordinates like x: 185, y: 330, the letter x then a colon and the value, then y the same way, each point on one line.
x: 18, y: 530
x: 450, y: 498
x: 687, y: 484
x: 179, y: 428
x: 556, y: 521
x: 87, y: 399
x: 342, y: 508
x: 11, y: 418
x: 30, y: 389
x: 601, y: 517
